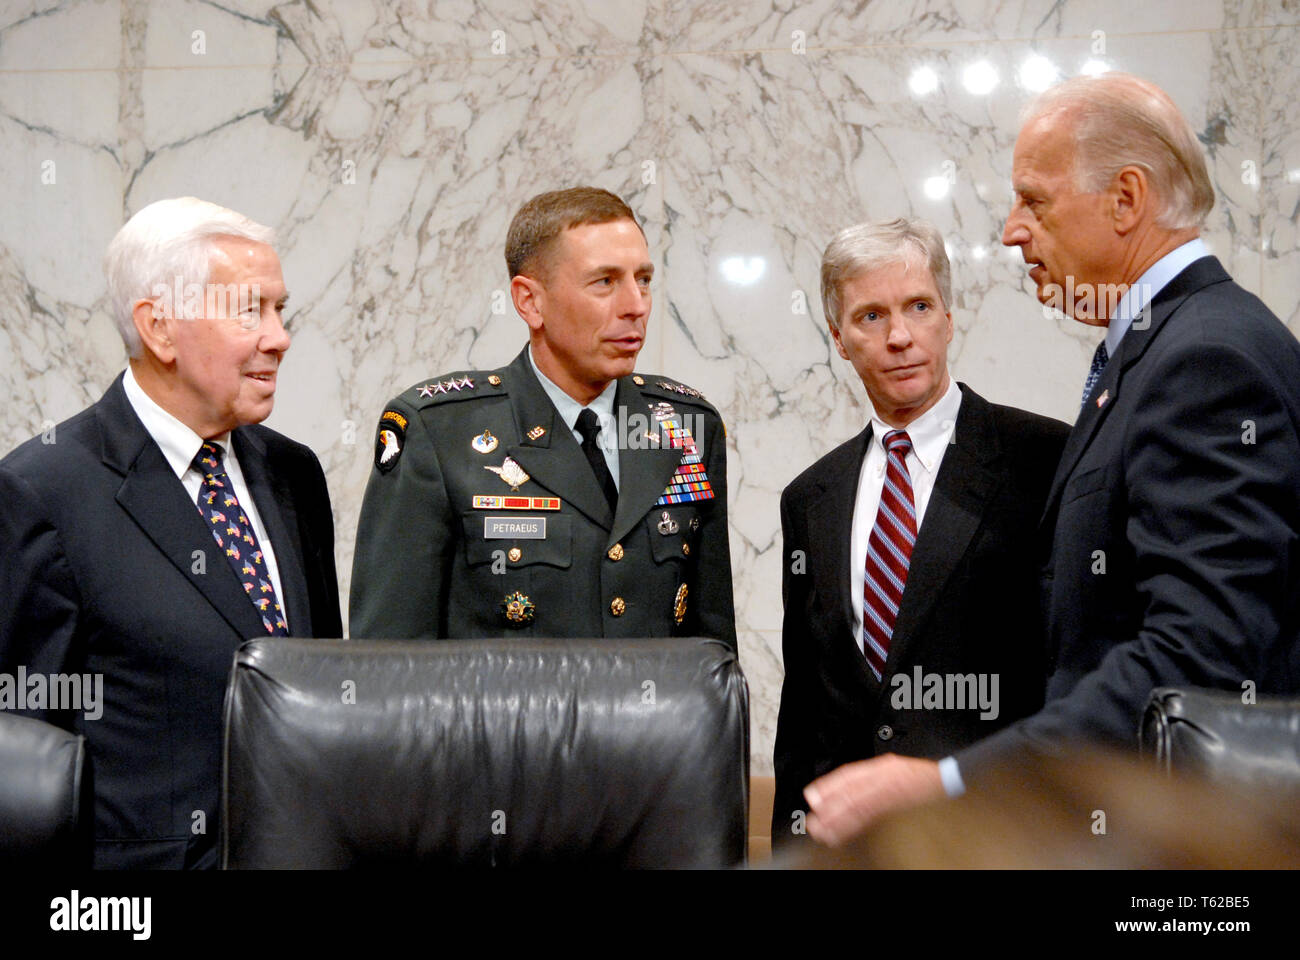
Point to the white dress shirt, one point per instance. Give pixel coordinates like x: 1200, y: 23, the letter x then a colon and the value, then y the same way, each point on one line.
x: 930, y: 433
x: 602, y: 407
x: 179, y: 444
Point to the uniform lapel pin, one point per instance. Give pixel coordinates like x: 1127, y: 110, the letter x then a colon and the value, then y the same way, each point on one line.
x: 667, y: 525
x: 511, y: 473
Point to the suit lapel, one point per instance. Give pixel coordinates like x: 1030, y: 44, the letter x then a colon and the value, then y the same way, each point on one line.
x: 961, y: 490
x: 1132, y: 346
x: 553, y: 459
x: 830, y: 527
x: 644, y: 468
x: 155, y: 499
x: 274, y: 503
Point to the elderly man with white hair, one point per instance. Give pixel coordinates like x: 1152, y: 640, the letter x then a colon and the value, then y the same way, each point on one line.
x: 143, y: 540
x: 1174, y: 516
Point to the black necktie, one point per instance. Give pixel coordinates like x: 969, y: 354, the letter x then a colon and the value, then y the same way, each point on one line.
x: 589, y: 426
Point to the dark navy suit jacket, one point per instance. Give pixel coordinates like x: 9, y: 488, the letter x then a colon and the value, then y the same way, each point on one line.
x: 1174, y: 517
x: 969, y: 608
x: 98, y: 543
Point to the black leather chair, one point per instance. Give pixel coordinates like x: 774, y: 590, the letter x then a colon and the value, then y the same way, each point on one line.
x: 40, y: 793
x: 1212, y: 734
x: 594, y: 753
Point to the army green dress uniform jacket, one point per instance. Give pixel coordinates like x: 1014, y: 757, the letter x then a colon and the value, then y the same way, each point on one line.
x: 483, y: 517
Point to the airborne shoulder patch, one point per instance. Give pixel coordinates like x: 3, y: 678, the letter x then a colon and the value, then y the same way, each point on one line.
x: 389, y: 440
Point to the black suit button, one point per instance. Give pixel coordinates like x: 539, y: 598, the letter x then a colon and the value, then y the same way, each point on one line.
x: 885, y: 732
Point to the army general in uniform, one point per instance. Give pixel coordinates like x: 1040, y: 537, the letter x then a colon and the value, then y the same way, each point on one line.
x: 562, y: 495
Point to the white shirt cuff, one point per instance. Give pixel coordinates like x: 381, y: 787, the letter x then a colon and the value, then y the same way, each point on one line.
x: 951, y: 776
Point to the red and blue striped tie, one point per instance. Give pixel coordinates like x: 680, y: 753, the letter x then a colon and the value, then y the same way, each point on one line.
x: 889, y: 553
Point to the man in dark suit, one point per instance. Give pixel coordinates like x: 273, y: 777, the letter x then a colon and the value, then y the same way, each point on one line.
x: 146, y: 538
x: 910, y: 580
x: 1175, y: 512
x: 562, y: 495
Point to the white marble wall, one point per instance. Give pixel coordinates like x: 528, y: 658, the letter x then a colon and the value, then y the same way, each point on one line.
x: 390, y: 142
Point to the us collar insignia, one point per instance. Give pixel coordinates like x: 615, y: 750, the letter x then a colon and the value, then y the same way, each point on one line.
x: 536, y: 433
x: 511, y: 473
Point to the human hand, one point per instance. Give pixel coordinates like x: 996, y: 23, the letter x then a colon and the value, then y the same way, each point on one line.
x: 850, y: 798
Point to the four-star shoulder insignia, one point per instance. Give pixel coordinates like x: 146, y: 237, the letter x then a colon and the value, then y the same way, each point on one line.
x: 446, y: 386
x: 656, y: 384
x: 681, y: 388
x: 460, y: 384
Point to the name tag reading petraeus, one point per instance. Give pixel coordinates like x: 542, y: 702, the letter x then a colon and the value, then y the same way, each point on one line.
x: 514, y: 528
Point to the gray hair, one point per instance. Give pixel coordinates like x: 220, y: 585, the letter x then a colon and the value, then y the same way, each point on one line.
x: 165, y: 240
x: 859, y: 249
x: 1120, y: 120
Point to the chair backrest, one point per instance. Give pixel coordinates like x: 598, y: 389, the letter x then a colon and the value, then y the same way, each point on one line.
x: 40, y: 792
x: 1216, y: 735
x: 617, y: 753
